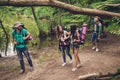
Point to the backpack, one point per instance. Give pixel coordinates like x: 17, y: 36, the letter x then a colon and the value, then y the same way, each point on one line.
x: 82, y: 33
x: 28, y: 39
x: 66, y: 42
x: 24, y: 35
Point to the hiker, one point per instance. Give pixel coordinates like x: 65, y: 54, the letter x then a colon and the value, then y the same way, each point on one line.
x: 102, y: 35
x: 96, y: 33
x: 64, y: 43
x: 75, y: 39
x: 18, y: 39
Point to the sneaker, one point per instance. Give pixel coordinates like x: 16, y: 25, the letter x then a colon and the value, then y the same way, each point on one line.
x: 63, y: 64
x: 71, y: 61
x: 74, y: 69
x: 93, y: 47
x: 22, y: 71
x: 31, y: 68
x: 97, y: 49
x: 79, y: 65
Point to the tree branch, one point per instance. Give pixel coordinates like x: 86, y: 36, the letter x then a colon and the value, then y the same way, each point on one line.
x: 56, y: 3
x: 111, y: 5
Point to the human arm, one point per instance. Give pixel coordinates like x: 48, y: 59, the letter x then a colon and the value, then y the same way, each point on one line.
x: 27, y: 34
x: 12, y: 38
x: 67, y: 35
x: 78, y: 37
x: 100, y: 30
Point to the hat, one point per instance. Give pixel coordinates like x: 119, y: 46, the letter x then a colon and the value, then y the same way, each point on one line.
x: 17, y: 24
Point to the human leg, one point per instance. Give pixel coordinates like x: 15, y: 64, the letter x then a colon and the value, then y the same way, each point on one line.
x: 77, y: 57
x: 96, y: 43
x: 63, y: 55
x: 93, y: 40
x: 26, y: 53
x: 68, y: 52
x: 75, y: 60
x: 20, y: 56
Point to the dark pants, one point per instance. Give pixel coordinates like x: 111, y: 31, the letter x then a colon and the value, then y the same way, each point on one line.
x: 67, y: 49
x: 20, y: 56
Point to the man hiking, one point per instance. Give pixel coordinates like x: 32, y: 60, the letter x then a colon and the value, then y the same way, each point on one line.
x: 18, y: 38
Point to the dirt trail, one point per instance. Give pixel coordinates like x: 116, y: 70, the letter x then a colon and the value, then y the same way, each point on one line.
x: 107, y: 60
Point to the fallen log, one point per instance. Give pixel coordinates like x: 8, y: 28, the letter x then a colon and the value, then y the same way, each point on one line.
x: 88, y: 76
x: 98, y: 76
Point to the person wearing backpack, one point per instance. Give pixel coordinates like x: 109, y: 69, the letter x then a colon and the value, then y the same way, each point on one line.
x: 96, y: 33
x: 75, y: 40
x: 64, y: 43
x: 18, y: 39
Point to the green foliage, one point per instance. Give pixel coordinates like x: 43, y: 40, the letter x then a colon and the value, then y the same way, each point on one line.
x: 1, y: 40
x: 51, y: 17
x: 114, y: 29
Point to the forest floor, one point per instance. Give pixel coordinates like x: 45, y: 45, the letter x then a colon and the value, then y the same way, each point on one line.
x: 47, y: 62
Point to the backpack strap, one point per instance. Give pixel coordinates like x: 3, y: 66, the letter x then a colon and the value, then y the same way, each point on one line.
x: 24, y: 35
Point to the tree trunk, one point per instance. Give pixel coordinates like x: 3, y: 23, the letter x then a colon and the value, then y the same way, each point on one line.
x: 37, y: 23
x: 7, y: 38
x: 0, y: 55
x: 56, y: 3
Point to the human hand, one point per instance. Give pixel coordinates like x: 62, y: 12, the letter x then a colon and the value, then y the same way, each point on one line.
x: 15, y: 42
x: 74, y: 40
x: 99, y: 37
x: 24, y: 38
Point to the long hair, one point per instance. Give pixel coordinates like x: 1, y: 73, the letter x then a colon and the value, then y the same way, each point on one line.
x: 58, y: 31
x: 73, y: 30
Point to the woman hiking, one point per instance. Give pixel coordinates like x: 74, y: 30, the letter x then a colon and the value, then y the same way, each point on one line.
x: 96, y: 34
x: 75, y: 39
x: 64, y: 43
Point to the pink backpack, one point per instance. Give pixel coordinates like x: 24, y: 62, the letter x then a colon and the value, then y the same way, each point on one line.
x: 83, y: 33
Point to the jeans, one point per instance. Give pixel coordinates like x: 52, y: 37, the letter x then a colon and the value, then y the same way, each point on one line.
x: 20, y: 56
x: 67, y: 49
x: 94, y: 37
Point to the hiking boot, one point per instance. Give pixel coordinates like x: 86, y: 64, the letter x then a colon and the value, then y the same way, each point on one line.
x: 74, y: 69
x: 79, y: 65
x: 22, y: 71
x: 63, y: 64
x: 97, y: 49
x: 71, y: 61
x: 93, y: 48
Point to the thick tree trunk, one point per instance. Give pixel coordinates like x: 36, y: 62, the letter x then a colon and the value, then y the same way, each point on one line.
x: 56, y: 3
